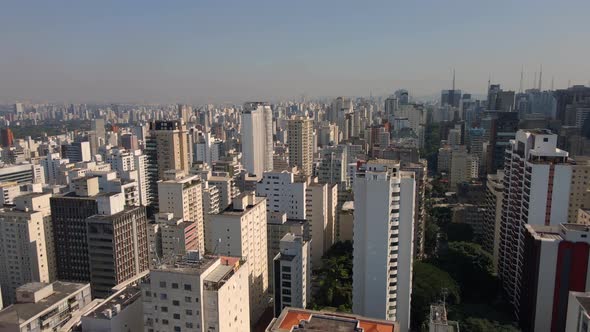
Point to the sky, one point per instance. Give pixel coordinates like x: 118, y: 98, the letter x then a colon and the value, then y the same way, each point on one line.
x: 234, y: 51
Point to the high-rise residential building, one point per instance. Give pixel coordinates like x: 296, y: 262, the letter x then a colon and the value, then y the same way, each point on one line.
x: 292, y: 271
x: 6, y: 137
x: 300, y: 141
x: 464, y: 167
x: 197, y: 293
x: 332, y: 167
x: 185, y: 112
x: 227, y: 189
x: 537, y: 178
x: 569, y: 96
x: 168, y: 148
x: 77, y: 151
x: 240, y: 231
x: 493, y: 215
x: 171, y: 236
x: 578, y: 312
x: 321, y: 200
x: 391, y: 107
x: 131, y: 166
x: 556, y: 260
x: 257, y: 138
x: 26, y: 244
x: 283, y: 193
x: 117, y: 248
x: 51, y: 165
x: 579, y: 188
x: 337, y: 112
x: 383, y: 241
x: 129, y: 142
x: 182, y: 196
x: 416, y: 115
x: 45, y: 307
x: 293, y: 319
x: 98, y: 126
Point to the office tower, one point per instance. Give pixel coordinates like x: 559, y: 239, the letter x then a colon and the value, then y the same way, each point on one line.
x: 76, y: 152
x: 181, y: 196
x: 555, y: 263
x: 579, y: 188
x: 454, y: 137
x: 537, y: 178
x: 464, y: 167
x: 391, y: 106
x: 283, y: 194
x: 129, y: 142
x: 23, y: 173
x: 240, y: 231
x: 569, y: 96
x: 450, y: 97
x: 320, y: 208
x: 68, y: 217
x: 493, y: 215
x: 45, y: 307
x: 383, y: 241
x: 292, y: 319
x: 26, y: 244
x: 500, y: 128
x: 292, y: 271
x: 300, y: 143
x: 6, y: 137
x: 257, y: 141
x: 197, y: 293
x: 403, y: 96
x: 500, y: 100
x: 117, y: 248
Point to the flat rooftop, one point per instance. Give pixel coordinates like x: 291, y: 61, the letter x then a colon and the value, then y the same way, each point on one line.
x: 123, y: 298
x: 185, y: 265
x: 22, y: 312
x: 309, y: 320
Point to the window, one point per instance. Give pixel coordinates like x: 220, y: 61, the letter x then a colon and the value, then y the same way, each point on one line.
x: 165, y: 321
x: 187, y: 287
x: 286, y: 284
x: 174, y: 286
x: 177, y: 328
x: 164, y: 309
x: 188, y: 312
x: 187, y: 299
x: 286, y: 268
x: 189, y: 325
x: 163, y: 296
x: 176, y: 303
x: 286, y: 299
x: 176, y: 316
x: 162, y: 284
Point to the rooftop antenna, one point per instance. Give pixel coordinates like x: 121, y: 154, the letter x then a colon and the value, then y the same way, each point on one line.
x: 489, y: 81
x: 453, y: 79
x: 535, y: 80
x: 540, y: 77
x: 521, y: 77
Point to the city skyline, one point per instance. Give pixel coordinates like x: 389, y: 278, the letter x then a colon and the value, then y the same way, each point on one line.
x: 209, y: 52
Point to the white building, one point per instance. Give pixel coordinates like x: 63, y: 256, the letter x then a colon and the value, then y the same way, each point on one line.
x: 537, y: 178
x: 131, y: 165
x: 578, y: 312
x: 240, y: 231
x: 197, y: 293
x: 257, y: 141
x: 293, y: 271
x: 321, y: 200
x: 181, y: 196
x: 383, y: 242
x: 283, y: 194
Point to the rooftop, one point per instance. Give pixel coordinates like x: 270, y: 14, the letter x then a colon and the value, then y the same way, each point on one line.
x: 308, y: 320
x: 188, y: 264
x: 116, y: 302
x: 22, y: 312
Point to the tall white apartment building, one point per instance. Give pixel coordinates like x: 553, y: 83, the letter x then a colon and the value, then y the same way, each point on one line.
x: 333, y: 166
x: 321, y: 200
x: 52, y: 164
x: 257, y: 141
x: 292, y: 269
x: 464, y: 166
x: 383, y: 242
x: 197, y: 293
x: 181, y: 196
x: 26, y: 244
x: 300, y: 141
x: 537, y: 178
x: 240, y: 231
x: 283, y: 194
x: 131, y: 165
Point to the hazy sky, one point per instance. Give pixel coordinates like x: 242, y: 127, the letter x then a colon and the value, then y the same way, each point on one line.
x: 213, y: 51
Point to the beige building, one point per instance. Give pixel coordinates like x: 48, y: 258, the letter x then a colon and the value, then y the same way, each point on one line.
x: 583, y: 217
x: 320, y: 205
x: 464, y: 167
x: 300, y: 141
x: 240, y: 231
x: 580, y: 183
x: 182, y: 196
x: 26, y: 244
x: 197, y: 293
x: 173, y: 148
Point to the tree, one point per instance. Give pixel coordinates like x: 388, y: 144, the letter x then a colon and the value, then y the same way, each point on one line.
x: 484, y: 325
x: 458, y: 232
x: 472, y: 267
x: 335, y: 278
x: 428, y: 285
x: 431, y: 231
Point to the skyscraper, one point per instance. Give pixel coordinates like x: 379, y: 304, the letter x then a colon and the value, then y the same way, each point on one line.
x: 257, y: 138
x: 300, y: 141
x: 383, y: 242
